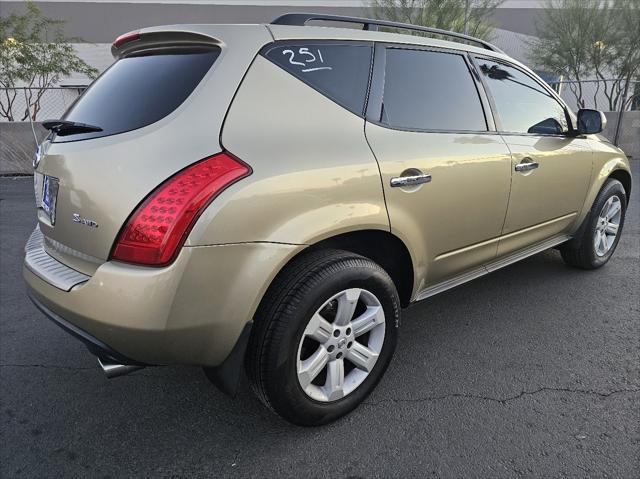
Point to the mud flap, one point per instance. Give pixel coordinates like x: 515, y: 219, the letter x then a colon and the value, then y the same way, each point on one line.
x: 226, y: 376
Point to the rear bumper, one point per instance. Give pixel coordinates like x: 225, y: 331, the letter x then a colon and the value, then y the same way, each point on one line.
x: 97, y: 347
x: 191, y: 312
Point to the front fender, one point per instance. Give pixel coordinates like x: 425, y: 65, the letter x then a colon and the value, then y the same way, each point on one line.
x: 607, y: 158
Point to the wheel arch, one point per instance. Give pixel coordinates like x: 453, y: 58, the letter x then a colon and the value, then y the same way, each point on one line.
x: 624, y: 177
x: 380, y: 246
x: 616, y: 167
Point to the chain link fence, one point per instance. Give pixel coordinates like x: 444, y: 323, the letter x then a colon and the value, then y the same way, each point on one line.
x: 619, y: 100
x: 605, y: 94
x: 44, y: 104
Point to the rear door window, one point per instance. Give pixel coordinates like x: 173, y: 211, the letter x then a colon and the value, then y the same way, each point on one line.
x: 137, y: 91
x: 338, y: 70
x: 429, y: 90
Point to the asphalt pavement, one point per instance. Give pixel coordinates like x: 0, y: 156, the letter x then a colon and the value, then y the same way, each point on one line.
x: 531, y: 371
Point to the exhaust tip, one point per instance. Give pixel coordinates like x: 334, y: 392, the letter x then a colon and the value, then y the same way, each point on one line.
x: 114, y: 370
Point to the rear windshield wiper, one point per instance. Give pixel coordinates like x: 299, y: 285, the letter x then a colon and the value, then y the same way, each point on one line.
x: 64, y: 127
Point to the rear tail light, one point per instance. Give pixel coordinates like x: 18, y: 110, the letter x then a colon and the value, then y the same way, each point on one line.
x: 158, y: 228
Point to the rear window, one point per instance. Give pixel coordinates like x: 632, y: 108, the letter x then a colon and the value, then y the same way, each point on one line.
x: 339, y: 71
x: 138, y: 91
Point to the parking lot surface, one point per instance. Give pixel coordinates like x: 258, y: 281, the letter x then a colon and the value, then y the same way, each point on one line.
x: 531, y: 371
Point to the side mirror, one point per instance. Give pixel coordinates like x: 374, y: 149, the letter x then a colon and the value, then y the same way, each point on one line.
x: 591, y: 121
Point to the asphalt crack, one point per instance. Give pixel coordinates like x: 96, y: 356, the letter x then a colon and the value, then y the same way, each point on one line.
x: 502, y: 400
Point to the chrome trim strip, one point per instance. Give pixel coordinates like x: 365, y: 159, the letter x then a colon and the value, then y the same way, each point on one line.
x: 450, y: 283
x: 490, y: 267
x: 466, y: 249
x: 526, y: 252
x: 499, y: 238
x: 48, y: 268
x: 57, y: 247
x: 539, y: 225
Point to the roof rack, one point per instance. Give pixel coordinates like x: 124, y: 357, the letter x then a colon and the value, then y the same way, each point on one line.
x: 301, y: 19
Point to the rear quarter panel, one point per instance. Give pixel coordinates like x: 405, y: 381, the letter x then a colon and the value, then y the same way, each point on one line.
x: 314, y: 175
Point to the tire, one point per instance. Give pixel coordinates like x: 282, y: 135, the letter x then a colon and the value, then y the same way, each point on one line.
x: 282, y: 345
x: 586, y: 250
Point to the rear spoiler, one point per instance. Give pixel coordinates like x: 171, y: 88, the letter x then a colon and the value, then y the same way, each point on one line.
x: 141, y: 41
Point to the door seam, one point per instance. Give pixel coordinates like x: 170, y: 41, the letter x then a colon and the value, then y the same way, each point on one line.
x: 506, y: 211
x: 384, y: 196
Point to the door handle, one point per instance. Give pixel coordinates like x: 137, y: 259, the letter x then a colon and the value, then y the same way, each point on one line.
x: 412, y: 180
x: 527, y: 164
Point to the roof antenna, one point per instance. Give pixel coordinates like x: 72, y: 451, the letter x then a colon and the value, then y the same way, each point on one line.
x: 33, y: 130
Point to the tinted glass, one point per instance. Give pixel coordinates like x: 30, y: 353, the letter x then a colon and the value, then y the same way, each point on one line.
x: 427, y: 90
x: 523, y: 105
x: 139, y: 90
x: 337, y: 70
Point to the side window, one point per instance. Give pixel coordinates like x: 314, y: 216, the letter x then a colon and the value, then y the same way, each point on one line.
x: 427, y: 90
x: 338, y: 70
x: 523, y: 105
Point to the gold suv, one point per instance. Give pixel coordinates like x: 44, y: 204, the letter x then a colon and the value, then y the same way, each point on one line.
x: 269, y: 197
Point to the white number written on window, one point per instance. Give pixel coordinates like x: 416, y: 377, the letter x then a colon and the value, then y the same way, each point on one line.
x: 311, y: 62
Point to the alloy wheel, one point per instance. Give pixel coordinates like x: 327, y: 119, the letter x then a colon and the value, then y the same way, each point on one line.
x: 340, y: 345
x: 607, y: 226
